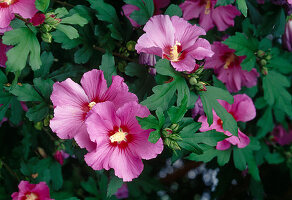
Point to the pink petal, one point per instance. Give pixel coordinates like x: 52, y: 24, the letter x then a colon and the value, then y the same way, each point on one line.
x: 68, y: 121
x: 26, y: 8
x: 191, y: 9
x: 223, y: 16
x: 83, y: 140
x: 125, y: 164
x: 128, y: 9
x: 118, y: 93
x: 206, y: 21
x: 146, y: 45
x: 5, y: 17
x: 201, y: 49
x: 244, y: 140
x: 68, y: 93
x: 243, y: 108
x: 187, y: 64
x: 223, y: 145
x: 3, y: 30
x: 94, y: 85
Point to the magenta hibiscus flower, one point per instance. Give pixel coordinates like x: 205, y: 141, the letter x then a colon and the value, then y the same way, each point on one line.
x: 158, y: 4
x: 176, y: 40
x: 222, y: 16
x: 242, y: 110
x: 72, y: 103
x: 120, y: 140
x: 29, y: 191
x: 25, y: 8
x: 227, y: 68
x: 3, y: 50
x: 282, y: 136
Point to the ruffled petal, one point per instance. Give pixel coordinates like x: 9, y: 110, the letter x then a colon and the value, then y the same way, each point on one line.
x: 5, y: 17
x: 83, y: 140
x: 243, y: 108
x: 94, y: 85
x: 191, y: 9
x: 206, y: 21
x: 128, y: 9
x: 243, y: 140
x: 68, y: 93
x: 201, y: 49
x: 223, y: 16
x: 68, y: 121
x: 223, y: 145
x: 25, y: 8
x: 186, y: 64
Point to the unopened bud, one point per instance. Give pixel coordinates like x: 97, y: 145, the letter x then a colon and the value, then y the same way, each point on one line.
x: 263, y: 62
x: 38, y: 126
x: 166, y: 132
x: 47, y: 37
x: 174, y: 127
x: 122, y: 65
x: 265, y: 71
x: 201, y: 86
x: 261, y: 53
x: 193, y: 81
x: 131, y: 45
x: 268, y: 57
x: 42, y: 152
x: 47, y: 121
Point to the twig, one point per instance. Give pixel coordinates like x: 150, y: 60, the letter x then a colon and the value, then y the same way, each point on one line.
x: 10, y: 170
x: 114, y: 54
x: 65, y: 3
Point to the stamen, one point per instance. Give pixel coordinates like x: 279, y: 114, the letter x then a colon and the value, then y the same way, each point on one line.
x: 91, y: 104
x: 208, y: 7
x: 229, y: 61
x: 31, y: 196
x: 174, y: 54
x: 119, y: 136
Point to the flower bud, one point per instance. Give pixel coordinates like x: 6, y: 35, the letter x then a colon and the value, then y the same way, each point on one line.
x: 174, y: 127
x: 38, y: 19
x: 261, y: 53
x: 265, y: 71
x: 38, y: 126
x: 131, y: 45
x: 47, y: 37
x: 263, y: 62
x: 193, y: 81
x: 147, y: 59
x: 268, y: 57
x: 287, y: 36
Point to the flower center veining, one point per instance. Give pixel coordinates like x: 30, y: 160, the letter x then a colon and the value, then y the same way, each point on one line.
x: 175, y: 52
x: 119, y: 136
x: 91, y: 104
x: 31, y: 196
x: 8, y: 2
x: 207, y: 7
x: 230, y: 59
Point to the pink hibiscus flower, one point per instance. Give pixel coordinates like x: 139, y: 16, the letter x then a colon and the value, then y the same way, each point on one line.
x: 25, y: 8
x: 120, y: 140
x: 29, y: 191
x: 123, y: 192
x: 282, y: 136
x: 176, y: 40
x: 222, y: 16
x: 72, y: 103
x: 287, y: 36
x: 227, y: 68
x: 242, y: 110
x: 158, y: 4
x: 60, y: 156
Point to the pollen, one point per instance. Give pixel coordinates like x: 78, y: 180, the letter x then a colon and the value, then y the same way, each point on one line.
x: 230, y: 59
x: 174, y: 52
x: 8, y: 2
x: 91, y: 104
x: 119, y: 136
x: 208, y: 7
x: 31, y: 196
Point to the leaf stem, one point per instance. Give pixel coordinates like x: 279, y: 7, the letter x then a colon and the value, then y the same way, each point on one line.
x: 10, y: 170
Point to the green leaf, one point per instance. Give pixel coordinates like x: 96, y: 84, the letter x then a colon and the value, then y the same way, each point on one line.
x: 38, y: 112
x: 266, y: 123
x: 74, y: 19
x: 241, y: 5
x: 26, y: 92
x: 56, y: 175
x: 42, y: 5
x: 16, y: 112
x: 274, y: 158
x: 67, y: 71
x: 113, y: 186
x: 69, y: 31
x: 45, y: 87
x: 146, y: 10
x: 163, y: 93
x: 90, y: 186
x: 63, y: 39
x: 244, y: 47
x: 26, y: 47
x: 239, y: 159
x: 3, y: 79
x: 107, y: 13
x: 275, y: 92
x: 273, y: 23
x: 224, y: 3
x: 47, y: 62
x: 209, y: 100
x: 173, y: 10
x: 177, y: 113
x: 108, y: 67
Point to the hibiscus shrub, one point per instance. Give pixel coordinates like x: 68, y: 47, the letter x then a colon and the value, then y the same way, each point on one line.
x: 145, y: 99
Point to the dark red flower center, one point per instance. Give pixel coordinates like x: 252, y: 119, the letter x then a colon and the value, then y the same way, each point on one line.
x: 120, y: 137
x: 31, y: 196
x: 7, y: 3
x: 174, y: 53
x: 230, y: 60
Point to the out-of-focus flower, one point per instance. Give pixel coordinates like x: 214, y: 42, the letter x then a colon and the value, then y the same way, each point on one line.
x: 3, y: 50
x: 3, y: 30
x: 158, y: 4
x: 227, y: 68
x: 8, y: 9
x: 121, y: 143
x: 221, y: 16
x: 287, y: 36
x: 176, y: 40
x: 72, y: 103
x: 260, y: 1
x: 38, y: 19
x: 198, y: 109
x: 242, y: 110
x: 60, y: 156
x: 29, y: 191
x: 281, y: 136
x: 122, y: 192
x: 147, y: 59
